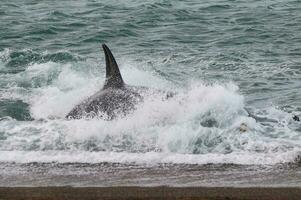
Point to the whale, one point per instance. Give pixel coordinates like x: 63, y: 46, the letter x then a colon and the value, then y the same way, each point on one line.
x: 115, y: 99
x: 118, y: 99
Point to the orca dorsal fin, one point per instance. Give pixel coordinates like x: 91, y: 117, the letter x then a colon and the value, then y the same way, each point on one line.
x: 113, y: 76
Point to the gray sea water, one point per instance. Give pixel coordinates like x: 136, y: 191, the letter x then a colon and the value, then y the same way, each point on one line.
x: 221, y: 57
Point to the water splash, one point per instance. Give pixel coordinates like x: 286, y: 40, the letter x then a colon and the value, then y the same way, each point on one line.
x: 200, y: 125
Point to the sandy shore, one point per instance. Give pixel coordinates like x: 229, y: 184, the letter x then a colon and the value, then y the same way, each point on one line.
x: 74, y: 193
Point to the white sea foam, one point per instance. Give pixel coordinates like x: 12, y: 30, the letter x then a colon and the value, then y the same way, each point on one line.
x: 199, y: 125
x: 150, y: 158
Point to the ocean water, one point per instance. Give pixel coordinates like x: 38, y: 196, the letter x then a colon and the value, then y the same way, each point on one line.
x: 221, y: 58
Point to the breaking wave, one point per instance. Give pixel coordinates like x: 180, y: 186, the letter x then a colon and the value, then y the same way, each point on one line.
x: 200, y: 125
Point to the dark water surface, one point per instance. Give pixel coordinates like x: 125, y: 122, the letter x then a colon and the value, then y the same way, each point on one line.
x: 220, y: 56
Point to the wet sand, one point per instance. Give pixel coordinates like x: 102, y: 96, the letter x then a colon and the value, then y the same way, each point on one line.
x: 74, y: 193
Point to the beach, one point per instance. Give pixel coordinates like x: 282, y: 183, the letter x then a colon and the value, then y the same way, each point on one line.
x: 184, y: 193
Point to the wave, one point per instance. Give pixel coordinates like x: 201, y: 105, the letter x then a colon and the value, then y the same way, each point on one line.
x: 22, y: 58
x: 150, y: 158
x: 200, y: 125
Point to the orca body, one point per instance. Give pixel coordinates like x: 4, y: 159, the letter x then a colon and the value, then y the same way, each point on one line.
x: 115, y: 99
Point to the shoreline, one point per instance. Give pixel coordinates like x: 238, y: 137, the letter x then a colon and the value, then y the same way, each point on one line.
x: 162, y: 192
